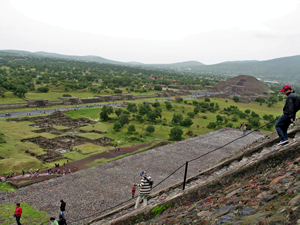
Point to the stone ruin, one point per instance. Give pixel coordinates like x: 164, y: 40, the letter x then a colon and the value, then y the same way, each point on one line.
x: 55, y: 119
x: 58, y: 145
x: 67, y: 143
x: 50, y: 156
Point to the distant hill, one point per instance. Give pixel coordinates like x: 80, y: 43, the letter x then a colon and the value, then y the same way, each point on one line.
x: 88, y: 58
x: 286, y: 69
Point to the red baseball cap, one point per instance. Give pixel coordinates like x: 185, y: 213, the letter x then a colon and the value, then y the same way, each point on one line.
x: 285, y: 87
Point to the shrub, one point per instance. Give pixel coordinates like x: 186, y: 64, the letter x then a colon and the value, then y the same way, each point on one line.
x: 191, y: 114
x: 44, y: 89
x: 150, y: 129
x: 189, y: 133
x: 158, y: 88
x: 117, y: 126
x: 131, y: 128
x: 187, y: 122
x: 207, y: 99
x: 212, y: 125
x: 67, y: 95
x: 175, y: 133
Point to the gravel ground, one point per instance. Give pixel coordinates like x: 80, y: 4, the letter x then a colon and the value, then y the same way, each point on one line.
x: 90, y: 191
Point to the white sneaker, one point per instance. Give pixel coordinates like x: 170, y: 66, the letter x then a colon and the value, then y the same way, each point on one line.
x: 283, y: 142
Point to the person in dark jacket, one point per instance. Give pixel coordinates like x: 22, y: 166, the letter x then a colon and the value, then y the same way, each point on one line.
x: 145, y: 189
x: 62, y: 208
x: 61, y: 220
x: 289, y: 114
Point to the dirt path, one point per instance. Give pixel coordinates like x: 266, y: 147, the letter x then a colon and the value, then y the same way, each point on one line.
x: 81, y: 164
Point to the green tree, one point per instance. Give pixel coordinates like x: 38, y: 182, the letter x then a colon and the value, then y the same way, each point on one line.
x: 117, y: 126
x: 131, y: 107
x: 118, y: 111
x: 21, y: 91
x: 123, y: 119
x: 143, y: 110
x: 44, y: 89
x: 196, y: 110
x: 157, y: 88
x: 247, y: 111
x: 158, y: 111
x: 187, y: 122
x: 212, y: 125
x: 118, y: 91
x: 179, y: 100
x: 168, y: 105
x: 219, y: 119
x: 155, y: 104
x: 176, y: 133
x: 195, y: 103
x: 150, y: 129
x: 131, y: 129
x: 2, y: 92
x: 106, y: 110
x: 177, y: 118
x: 152, y: 115
x: 236, y: 98
x: 207, y: 99
x: 140, y: 118
x: 191, y: 114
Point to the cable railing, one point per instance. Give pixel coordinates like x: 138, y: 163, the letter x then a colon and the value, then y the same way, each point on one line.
x: 185, y: 174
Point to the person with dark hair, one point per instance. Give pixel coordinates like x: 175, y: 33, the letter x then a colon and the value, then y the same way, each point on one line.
x: 245, y: 129
x: 145, y: 189
x: 62, y: 220
x: 62, y: 208
x: 18, y: 213
x: 53, y: 221
x: 289, y: 113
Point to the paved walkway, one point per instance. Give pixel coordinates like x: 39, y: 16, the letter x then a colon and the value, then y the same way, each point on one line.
x: 38, y: 111
x: 90, y: 191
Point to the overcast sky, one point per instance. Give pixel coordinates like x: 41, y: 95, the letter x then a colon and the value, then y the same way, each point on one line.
x: 156, y: 31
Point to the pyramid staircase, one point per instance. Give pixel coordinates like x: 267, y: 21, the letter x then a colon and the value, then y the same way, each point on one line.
x: 225, y: 193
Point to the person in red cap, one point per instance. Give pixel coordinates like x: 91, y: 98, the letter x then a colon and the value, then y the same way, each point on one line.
x: 289, y: 113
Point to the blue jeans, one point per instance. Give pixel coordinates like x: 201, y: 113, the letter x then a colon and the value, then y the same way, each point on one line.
x: 18, y: 220
x: 63, y: 214
x: 282, y: 126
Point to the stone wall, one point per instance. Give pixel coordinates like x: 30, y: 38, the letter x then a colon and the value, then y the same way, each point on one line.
x: 13, y: 106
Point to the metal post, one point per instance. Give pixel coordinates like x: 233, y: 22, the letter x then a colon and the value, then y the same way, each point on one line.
x: 185, y: 173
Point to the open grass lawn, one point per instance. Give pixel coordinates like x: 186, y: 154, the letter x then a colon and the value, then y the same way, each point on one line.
x: 14, y: 149
x: 30, y: 216
x: 89, y: 147
x: 91, y: 136
x: 6, y: 187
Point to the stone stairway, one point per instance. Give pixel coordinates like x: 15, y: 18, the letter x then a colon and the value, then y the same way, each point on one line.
x: 237, y: 173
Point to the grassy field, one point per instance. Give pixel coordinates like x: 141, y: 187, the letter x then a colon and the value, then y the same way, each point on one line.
x: 29, y: 215
x: 6, y: 187
x: 14, y: 150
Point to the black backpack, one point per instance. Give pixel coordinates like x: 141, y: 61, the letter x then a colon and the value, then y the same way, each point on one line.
x: 149, y: 181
